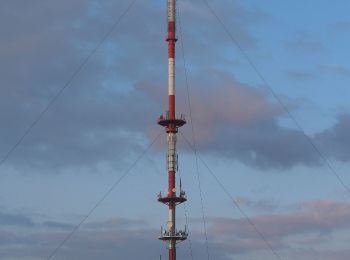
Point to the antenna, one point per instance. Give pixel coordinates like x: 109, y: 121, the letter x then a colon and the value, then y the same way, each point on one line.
x: 171, y: 124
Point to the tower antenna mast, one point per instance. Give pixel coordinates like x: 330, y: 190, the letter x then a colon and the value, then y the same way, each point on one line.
x: 171, y: 123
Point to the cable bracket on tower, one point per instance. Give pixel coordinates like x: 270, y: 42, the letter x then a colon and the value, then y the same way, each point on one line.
x: 169, y: 123
x: 176, y: 199
x: 177, y: 235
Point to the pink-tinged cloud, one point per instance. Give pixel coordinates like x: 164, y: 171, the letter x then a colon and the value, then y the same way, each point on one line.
x: 230, y: 103
x: 313, y: 218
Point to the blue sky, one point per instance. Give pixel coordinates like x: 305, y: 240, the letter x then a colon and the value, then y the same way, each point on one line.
x: 107, y: 117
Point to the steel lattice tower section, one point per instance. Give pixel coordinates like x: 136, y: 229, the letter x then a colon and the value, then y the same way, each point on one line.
x: 171, y: 124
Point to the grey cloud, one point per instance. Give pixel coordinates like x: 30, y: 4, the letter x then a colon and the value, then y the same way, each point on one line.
x: 335, y: 69
x: 115, y: 238
x: 12, y: 219
x: 308, y: 227
x: 304, y: 42
x: 300, y: 75
x: 109, y: 109
x: 92, y: 121
x: 315, y: 217
x: 240, y: 123
x: 8, y: 238
x: 117, y: 223
x: 57, y: 225
x: 336, y: 140
x: 342, y: 26
x: 228, y: 238
x: 265, y: 145
x: 245, y: 246
x: 259, y: 205
x: 98, y: 244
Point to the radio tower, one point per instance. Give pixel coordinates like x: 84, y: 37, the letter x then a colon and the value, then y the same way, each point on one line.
x: 171, y: 124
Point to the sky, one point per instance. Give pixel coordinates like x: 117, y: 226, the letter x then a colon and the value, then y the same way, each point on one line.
x: 251, y: 148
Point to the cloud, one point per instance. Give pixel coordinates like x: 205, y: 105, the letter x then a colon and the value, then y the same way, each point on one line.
x: 335, y: 69
x: 120, y: 223
x: 342, y: 26
x: 312, y: 225
x: 336, y: 140
x: 265, y: 145
x: 109, y: 111
x: 110, y: 107
x: 304, y: 42
x: 93, y: 120
x: 57, y: 225
x: 100, y: 242
x: 313, y: 220
x: 259, y: 205
x: 241, y: 123
x: 12, y: 219
x: 300, y: 75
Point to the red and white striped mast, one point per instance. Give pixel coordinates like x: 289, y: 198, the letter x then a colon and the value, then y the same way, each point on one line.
x: 171, y: 124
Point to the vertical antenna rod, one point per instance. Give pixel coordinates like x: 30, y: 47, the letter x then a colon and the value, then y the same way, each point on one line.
x: 171, y: 124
